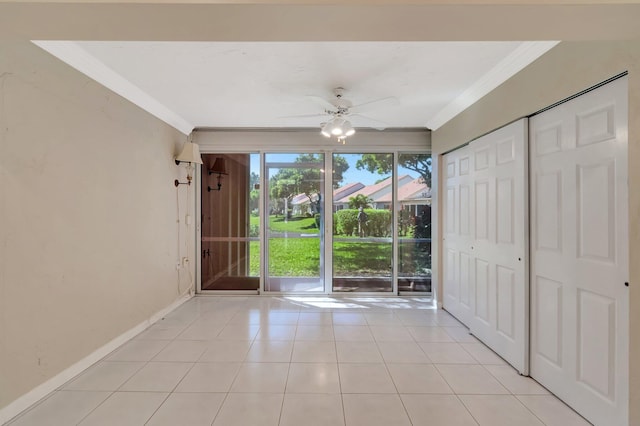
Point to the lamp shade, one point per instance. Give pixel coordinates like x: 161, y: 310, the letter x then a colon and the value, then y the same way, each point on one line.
x: 190, y: 154
x: 219, y: 167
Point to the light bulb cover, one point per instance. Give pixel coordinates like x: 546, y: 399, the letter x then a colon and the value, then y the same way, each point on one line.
x: 326, y: 129
x: 347, y: 128
x: 337, y: 125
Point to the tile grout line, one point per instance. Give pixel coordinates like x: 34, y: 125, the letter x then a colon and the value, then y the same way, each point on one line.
x: 386, y: 366
x: 286, y: 382
x: 179, y: 381
x: 457, y: 396
x: 335, y: 345
x: 226, y: 395
x: 95, y: 408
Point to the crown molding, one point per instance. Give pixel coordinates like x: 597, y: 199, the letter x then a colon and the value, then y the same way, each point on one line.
x: 522, y: 56
x: 75, y: 56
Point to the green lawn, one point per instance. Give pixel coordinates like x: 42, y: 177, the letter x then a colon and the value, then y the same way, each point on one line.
x: 362, y: 258
x: 305, y: 225
x: 254, y: 258
x: 300, y: 256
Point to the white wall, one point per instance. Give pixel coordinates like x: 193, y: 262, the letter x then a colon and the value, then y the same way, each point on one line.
x: 88, y: 233
x: 564, y: 71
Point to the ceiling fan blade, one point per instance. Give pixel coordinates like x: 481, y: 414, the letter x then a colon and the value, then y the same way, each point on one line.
x: 322, y: 102
x: 388, y: 102
x: 304, y: 115
x: 375, y: 124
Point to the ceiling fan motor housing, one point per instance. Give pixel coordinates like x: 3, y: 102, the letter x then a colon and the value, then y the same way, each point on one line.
x: 340, y: 103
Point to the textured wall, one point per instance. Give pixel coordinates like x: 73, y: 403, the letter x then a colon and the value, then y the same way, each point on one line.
x: 88, y: 233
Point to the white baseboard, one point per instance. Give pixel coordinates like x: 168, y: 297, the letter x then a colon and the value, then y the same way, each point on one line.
x: 27, y: 400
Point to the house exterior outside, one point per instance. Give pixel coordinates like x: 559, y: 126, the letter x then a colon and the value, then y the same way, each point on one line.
x: 412, y: 193
x: 379, y: 193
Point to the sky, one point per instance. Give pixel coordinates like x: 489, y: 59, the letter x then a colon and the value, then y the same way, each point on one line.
x: 350, y: 176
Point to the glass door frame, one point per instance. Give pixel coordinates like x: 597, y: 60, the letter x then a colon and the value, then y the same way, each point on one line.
x: 264, y: 218
x: 394, y: 192
x: 328, y: 152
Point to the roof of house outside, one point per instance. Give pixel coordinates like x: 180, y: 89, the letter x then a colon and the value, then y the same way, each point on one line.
x: 371, y: 190
x: 414, y: 190
x: 409, y: 189
x: 300, y: 199
x: 347, y: 189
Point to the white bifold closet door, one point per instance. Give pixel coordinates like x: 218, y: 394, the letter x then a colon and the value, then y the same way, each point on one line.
x: 485, y: 242
x: 579, y: 253
x: 457, y: 234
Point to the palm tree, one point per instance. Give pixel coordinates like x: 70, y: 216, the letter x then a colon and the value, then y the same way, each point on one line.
x: 360, y: 200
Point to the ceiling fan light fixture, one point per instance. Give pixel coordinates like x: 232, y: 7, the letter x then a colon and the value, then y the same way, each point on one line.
x: 347, y: 128
x: 325, y: 130
x: 337, y: 126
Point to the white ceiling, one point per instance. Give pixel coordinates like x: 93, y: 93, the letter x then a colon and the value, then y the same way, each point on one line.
x: 258, y: 84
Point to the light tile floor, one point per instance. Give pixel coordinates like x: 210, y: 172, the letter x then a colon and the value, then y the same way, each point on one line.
x: 302, y: 361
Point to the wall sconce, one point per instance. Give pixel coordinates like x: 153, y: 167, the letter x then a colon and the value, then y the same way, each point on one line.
x: 190, y: 154
x: 219, y: 168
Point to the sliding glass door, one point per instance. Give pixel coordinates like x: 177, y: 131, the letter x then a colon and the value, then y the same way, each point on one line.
x: 362, y: 222
x: 294, y: 225
x: 379, y: 229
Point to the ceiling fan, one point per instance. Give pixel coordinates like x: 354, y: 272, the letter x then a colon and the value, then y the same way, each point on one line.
x: 339, y: 110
